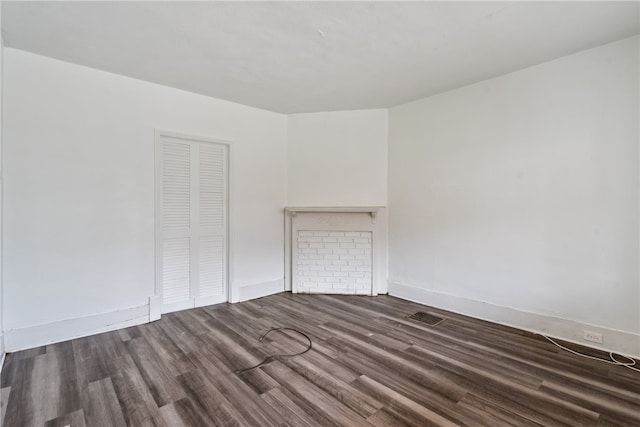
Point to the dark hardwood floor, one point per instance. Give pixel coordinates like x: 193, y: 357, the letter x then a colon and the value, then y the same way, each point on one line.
x: 369, y: 365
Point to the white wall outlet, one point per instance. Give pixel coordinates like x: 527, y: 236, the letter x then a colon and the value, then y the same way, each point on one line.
x: 593, y: 337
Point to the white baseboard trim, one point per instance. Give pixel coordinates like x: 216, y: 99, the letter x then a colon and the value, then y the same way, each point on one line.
x: 2, y: 352
x: 63, y: 330
x: 259, y: 290
x: 621, y: 342
x: 155, y: 308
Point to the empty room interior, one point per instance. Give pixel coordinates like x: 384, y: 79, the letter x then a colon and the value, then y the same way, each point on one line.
x: 320, y: 213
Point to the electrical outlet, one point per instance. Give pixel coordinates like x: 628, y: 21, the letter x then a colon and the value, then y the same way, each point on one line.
x: 593, y: 337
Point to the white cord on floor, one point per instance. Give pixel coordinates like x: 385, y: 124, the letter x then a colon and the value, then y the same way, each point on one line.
x: 613, y: 360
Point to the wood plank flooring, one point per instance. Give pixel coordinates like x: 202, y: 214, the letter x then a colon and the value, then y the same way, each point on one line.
x: 369, y: 366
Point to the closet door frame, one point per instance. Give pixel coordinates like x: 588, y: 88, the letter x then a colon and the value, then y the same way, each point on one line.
x: 155, y: 304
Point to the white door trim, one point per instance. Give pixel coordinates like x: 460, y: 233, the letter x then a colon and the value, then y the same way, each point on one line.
x: 232, y: 294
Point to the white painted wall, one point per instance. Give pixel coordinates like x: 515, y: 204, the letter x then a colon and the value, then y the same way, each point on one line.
x: 1, y: 196
x: 522, y: 192
x: 338, y: 158
x: 79, y: 187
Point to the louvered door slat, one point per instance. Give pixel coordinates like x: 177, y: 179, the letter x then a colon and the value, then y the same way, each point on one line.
x: 211, y: 181
x: 176, y: 185
x: 212, y: 278
x: 176, y: 270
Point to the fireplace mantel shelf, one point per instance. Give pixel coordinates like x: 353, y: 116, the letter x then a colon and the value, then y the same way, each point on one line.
x: 356, y: 209
x: 371, y: 210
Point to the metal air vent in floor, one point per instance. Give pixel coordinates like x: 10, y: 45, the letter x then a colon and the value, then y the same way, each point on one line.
x: 427, y: 318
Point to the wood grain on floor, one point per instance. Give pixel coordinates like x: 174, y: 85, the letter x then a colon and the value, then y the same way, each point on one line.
x: 370, y: 365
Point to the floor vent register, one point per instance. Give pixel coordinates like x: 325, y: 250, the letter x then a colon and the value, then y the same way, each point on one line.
x: 427, y: 318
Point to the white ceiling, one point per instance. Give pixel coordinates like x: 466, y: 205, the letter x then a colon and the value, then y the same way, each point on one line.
x: 314, y: 56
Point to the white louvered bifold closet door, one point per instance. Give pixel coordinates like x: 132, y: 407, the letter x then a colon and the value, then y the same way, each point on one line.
x: 192, y: 221
x: 211, y: 224
x: 175, y: 218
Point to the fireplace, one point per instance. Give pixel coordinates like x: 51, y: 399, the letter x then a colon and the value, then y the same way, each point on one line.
x: 336, y: 250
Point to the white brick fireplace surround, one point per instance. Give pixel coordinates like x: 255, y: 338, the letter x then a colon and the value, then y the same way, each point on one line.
x: 334, y: 261
x: 336, y: 250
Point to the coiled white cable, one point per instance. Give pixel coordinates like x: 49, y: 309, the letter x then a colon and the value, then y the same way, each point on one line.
x: 612, y: 356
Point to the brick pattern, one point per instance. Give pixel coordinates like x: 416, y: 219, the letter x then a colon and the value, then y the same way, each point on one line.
x: 337, y: 262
